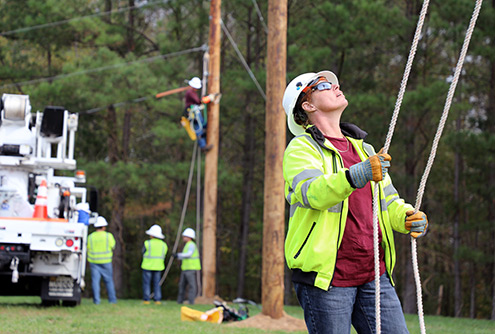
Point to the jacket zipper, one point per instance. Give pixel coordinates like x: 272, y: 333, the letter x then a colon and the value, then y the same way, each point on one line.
x: 305, y: 240
x: 340, y: 218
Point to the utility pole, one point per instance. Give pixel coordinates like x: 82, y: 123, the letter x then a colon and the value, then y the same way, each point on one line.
x: 272, y: 287
x: 211, y: 160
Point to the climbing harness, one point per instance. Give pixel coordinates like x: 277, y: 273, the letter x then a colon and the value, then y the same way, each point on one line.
x: 431, y: 158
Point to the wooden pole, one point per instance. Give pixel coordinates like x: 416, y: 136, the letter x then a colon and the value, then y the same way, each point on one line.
x: 272, y: 287
x: 211, y: 160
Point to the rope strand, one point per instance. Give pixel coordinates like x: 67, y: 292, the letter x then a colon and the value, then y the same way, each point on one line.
x: 441, y: 125
x: 388, y: 140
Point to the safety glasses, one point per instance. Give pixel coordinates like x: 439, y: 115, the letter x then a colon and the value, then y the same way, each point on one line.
x: 319, y: 83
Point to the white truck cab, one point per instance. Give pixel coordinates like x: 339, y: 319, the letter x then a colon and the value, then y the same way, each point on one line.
x: 44, y: 214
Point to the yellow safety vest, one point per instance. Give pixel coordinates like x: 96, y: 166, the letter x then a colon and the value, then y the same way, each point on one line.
x: 317, y: 190
x: 100, y: 247
x: 191, y: 263
x: 154, y: 256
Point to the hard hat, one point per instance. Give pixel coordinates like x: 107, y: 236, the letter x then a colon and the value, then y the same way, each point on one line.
x: 189, y: 232
x: 101, y: 222
x: 195, y: 83
x: 155, y: 231
x: 294, y: 89
x: 83, y: 207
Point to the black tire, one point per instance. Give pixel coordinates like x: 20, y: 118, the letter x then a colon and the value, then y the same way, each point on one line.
x: 70, y: 303
x: 49, y: 302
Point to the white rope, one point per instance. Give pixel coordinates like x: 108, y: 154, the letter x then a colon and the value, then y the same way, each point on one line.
x: 388, y: 140
x: 430, y: 160
x: 434, y: 147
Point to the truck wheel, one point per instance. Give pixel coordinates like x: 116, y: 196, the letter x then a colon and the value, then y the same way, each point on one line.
x: 70, y: 303
x: 49, y: 302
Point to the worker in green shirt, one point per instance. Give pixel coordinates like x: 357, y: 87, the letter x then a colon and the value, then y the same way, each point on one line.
x: 191, y: 265
x: 100, y: 251
x: 154, y: 251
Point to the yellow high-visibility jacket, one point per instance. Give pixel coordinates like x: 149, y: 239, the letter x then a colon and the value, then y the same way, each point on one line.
x: 317, y: 189
x: 154, y: 255
x: 100, y: 247
x: 190, y: 257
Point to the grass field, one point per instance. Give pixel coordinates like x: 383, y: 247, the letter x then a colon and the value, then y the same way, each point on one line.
x: 25, y: 315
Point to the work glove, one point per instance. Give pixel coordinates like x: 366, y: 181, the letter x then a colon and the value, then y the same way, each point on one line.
x: 372, y: 169
x: 417, y: 223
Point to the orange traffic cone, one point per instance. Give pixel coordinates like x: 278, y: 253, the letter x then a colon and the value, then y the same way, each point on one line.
x: 40, y: 206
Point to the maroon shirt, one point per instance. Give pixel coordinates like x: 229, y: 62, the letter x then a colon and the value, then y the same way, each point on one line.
x: 355, y: 257
x: 191, y: 97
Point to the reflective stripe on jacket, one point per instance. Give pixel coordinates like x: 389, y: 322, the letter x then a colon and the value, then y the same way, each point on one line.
x: 100, y: 247
x: 154, y: 255
x: 317, y: 190
x: 192, y: 262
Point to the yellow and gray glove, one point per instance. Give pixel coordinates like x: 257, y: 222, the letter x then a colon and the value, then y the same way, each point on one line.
x: 417, y: 223
x: 372, y: 169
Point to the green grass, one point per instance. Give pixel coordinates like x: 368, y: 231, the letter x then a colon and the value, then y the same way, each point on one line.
x: 24, y: 315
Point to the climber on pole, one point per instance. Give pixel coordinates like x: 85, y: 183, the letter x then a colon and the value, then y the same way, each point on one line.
x: 193, y: 120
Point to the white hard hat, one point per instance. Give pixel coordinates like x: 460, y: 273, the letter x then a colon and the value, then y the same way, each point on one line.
x: 155, y: 231
x: 101, y: 222
x: 189, y: 232
x: 83, y: 207
x: 294, y: 89
x: 195, y: 83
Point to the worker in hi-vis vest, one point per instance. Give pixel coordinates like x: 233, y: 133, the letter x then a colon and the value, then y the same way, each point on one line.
x: 191, y: 265
x: 100, y: 251
x: 154, y: 251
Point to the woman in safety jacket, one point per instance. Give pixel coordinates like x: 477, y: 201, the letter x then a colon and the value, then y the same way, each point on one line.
x: 330, y: 173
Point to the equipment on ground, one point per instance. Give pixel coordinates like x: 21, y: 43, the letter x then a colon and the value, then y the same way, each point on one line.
x: 214, y: 315
x: 230, y: 313
x: 44, y: 217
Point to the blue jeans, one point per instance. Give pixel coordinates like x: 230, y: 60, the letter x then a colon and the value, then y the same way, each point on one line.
x: 99, y: 270
x: 334, y: 311
x: 148, y: 277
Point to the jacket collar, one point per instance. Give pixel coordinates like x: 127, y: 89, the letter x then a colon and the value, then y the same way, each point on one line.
x: 348, y: 129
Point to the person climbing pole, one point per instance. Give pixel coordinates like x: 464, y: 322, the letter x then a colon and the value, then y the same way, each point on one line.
x: 193, y: 120
x: 328, y: 170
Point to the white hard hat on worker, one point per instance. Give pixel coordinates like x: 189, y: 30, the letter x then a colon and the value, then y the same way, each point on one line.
x: 195, y: 83
x: 101, y: 222
x: 294, y: 90
x: 189, y: 232
x: 155, y: 231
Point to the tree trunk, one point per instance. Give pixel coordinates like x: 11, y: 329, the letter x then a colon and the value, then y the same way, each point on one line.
x: 117, y: 194
x: 472, y: 280
x: 247, y: 182
x: 130, y: 30
x: 456, y: 236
